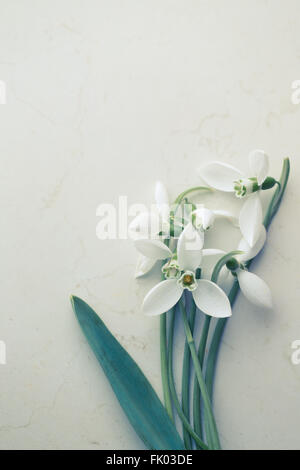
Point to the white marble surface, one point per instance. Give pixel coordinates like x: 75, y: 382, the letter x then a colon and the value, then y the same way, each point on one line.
x: 104, y: 98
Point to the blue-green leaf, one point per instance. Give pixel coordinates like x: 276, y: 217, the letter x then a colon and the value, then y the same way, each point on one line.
x: 135, y: 394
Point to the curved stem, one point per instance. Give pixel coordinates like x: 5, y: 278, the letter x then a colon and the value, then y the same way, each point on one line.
x: 164, y: 359
x: 164, y: 364
x: 278, y: 194
x: 215, y: 343
x: 213, y: 442
x: 163, y: 329
x: 182, y: 416
x: 185, y: 383
x: 196, y: 392
x: 191, y: 190
x: 202, y: 346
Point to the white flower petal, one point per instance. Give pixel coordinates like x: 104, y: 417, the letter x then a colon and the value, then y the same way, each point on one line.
x: 220, y: 175
x: 189, y: 248
x: 162, y: 297
x: 161, y: 193
x: 144, y: 265
x: 255, y: 289
x: 211, y: 299
x: 259, y: 165
x: 251, y: 252
x: 227, y: 215
x: 204, y: 217
x: 154, y: 249
x: 225, y: 280
x: 251, y: 219
x: 144, y: 225
x: 162, y: 200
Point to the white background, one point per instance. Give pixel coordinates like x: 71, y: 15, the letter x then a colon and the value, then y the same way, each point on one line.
x: 103, y: 99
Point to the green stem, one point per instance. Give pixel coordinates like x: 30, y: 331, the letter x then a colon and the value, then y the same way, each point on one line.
x: 185, y: 384
x: 164, y: 365
x: 182, y: 416
x: 202, y: 346
x: 163, y: 330
x: 164, y: 359
x: 191, y: 190
x: 213, y: 442
x: 196, y: 393
x: 215, y: 342
x: 278, y: 194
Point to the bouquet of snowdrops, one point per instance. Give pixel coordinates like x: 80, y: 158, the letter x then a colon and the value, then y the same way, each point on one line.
x: 195, y: 280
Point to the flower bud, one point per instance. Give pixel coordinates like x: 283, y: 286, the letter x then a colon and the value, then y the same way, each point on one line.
x: 204, y: 218
x: 232, y: 264
x: 198, y: 273
x: 268, y: 183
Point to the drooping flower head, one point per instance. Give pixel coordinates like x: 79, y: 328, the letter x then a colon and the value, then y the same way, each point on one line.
x: 227, y: 178
x: 149, y: 224
x: 252, y: 286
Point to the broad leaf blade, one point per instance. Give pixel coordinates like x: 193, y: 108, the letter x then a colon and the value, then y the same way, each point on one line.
x: 135, y: 394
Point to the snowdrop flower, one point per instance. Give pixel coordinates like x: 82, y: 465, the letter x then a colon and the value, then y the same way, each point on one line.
x: 145, y: 229
x: 208, y: 296
x: 226, y: 178
x: 150, y: 251
x: 251, y: 285
x: 149, y: 224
